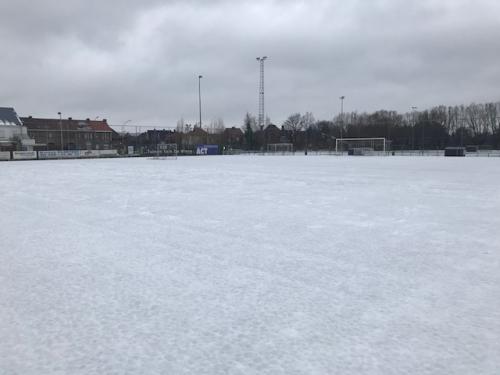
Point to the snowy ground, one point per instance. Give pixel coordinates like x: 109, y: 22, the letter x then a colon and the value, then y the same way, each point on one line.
x: 250, y: 265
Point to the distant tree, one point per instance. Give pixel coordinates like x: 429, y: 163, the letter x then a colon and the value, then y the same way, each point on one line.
x: 249, y: 124
x: 293, y: 122
x: 180, y: 125
x: 217, y: 126
x: 307, y: 120
x: 438, y: 127
x: 492, y: 116
x: 267, y: 122
x: 296, y: 123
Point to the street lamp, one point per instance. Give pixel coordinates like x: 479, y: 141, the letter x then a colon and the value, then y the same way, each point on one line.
x: 60, y: 126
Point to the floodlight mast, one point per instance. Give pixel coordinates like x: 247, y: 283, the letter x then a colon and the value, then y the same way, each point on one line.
x: 261, y: 92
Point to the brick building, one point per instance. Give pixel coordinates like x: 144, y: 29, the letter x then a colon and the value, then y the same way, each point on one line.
x: 197, y: 136
x: 69, y: 134
x: 233, y: 138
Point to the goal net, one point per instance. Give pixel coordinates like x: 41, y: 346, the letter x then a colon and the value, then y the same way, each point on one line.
x: 280, y: 148
x: 361, y: 146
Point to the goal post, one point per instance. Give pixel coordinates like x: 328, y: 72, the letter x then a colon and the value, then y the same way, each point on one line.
x: 361, y: 146
x: 281, y: 148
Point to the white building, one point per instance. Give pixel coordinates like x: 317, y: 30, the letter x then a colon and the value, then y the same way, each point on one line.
x: 13, y: 135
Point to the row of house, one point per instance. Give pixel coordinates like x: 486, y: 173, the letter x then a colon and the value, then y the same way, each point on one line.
x: 229, y: 139
x: 69, y: 134
x: 38, y: 134
x: 41, y: 134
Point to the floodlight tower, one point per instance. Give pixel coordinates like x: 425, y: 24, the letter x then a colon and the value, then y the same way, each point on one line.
x: 261, y: 92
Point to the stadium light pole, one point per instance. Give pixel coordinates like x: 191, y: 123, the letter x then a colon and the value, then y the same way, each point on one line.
x: 341, y: 120
x: 60, y: 127
x: 423, y: 136
x: 199, y: 95
x: 462, y: 123
x: 414, y: 110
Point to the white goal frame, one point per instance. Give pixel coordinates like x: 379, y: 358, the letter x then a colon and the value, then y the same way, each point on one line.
x: 281, y: 148
x: 364, y: 143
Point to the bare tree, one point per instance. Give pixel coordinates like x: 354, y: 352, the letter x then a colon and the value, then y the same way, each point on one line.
x: 250, y: 122
x: 307, y: 120
x: 293, y: 122
x: 217, y: 126
x: 267, y: 122
x: 180, y: 125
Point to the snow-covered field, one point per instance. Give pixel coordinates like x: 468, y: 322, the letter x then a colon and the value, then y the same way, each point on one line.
x: 250, y: 265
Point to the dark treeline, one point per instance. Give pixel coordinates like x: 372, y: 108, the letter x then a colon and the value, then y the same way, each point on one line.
x: 473, y: 125
x: 439, y: 127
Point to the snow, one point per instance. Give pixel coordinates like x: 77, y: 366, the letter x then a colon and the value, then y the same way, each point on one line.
x: 250, y: 265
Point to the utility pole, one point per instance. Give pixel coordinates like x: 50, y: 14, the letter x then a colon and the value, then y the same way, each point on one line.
x: 261, y: 92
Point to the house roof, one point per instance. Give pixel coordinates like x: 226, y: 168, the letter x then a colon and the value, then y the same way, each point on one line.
x: 67, y: 124
x: 8, y: 117
x: 100, y: 126
x: 233, y: 131
x: 271, y: 128
x: 198, y: 131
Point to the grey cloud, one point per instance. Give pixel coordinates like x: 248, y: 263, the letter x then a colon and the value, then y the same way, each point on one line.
x: 139, y: 61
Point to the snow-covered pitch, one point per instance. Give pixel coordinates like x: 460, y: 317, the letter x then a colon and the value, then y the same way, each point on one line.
x: 250, y: 265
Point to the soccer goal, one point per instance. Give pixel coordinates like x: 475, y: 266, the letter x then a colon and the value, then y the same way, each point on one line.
x: 360, y: 146
x: 280, y: 148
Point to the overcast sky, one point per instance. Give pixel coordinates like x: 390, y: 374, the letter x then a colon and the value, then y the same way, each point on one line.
x: 139, y: 60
